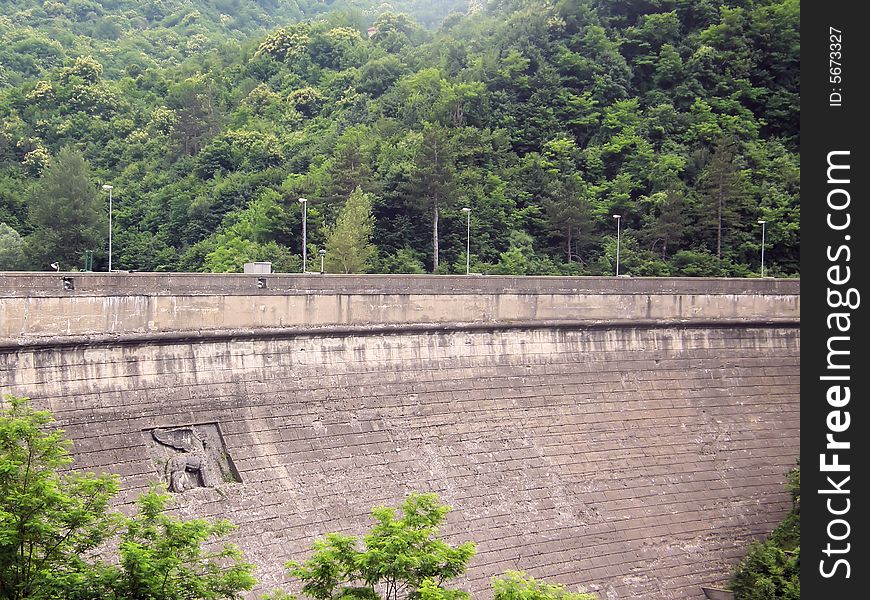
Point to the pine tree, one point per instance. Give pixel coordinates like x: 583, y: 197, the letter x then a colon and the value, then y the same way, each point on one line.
x: 723, y: 191
x: 670, y: 222
x: 566, y: 199
x: 433, y: 179
x: 348, y: 242
x: 66, y: 212
x: 568, y: 210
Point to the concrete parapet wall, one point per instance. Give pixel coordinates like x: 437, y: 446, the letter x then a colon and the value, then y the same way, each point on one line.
x: 34, y: 305
x: 29, y: 284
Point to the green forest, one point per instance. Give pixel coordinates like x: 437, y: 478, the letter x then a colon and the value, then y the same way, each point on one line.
x: 545, y: 118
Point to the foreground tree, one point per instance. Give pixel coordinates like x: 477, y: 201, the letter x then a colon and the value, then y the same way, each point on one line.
x: 51, y: 524
x: 50, y: 518
x: 771, y: 569
x: 402, y: 556
x: 164, y: 558
x: 516, y: 585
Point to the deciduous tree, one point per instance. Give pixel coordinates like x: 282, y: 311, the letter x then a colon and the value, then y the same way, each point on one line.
x: 11, y: 249
x: 516, y: 585
x: 165, y: 558
x: 402, y: 556
x: 50, y: 518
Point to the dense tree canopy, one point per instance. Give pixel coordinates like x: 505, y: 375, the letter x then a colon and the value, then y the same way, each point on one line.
x: 544, y: 117
x: 516, y: 585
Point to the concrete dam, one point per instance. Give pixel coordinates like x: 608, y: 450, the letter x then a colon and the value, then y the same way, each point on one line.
x: 628, y: 436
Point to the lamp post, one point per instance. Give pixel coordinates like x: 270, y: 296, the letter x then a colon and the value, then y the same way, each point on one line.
x: 322, y: 253
x: 467, y: 212
x: 304, y: 203
x: 617, y: 217
x: 762, y: 223
x: 108, y: 188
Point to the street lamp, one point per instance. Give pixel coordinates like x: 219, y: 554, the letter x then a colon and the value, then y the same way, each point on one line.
x: 304, y: 203
x: 762, y: 223
x: 108, y: 188
x: 467, y: 212
x: 322, y: 253
x: 617, y: 217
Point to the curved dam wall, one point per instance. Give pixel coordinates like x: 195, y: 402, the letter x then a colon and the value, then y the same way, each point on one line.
x: 629, y: 436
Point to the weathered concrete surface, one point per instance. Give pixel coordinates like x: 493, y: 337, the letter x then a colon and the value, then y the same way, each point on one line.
x: 35, y: 304
x: 28, y: 284
x: 635, y: 457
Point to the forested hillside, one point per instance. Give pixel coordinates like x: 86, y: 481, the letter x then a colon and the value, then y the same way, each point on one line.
x: 544, y: 117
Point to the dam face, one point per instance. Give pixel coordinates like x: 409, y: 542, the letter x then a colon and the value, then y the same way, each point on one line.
x: 627, y: 436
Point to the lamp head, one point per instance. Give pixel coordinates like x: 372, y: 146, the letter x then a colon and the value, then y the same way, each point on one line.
x: 107, y: 187
x: 303, y: 200
x: 761, y: 221
x: 321, y: 252
x: 617, y: 216
x: 466, y: 210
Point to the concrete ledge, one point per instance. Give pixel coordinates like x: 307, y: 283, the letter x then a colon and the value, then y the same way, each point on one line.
x: 187, y: 337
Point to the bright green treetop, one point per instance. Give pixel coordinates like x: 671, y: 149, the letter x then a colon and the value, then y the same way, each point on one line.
x: 349, y: 246
x: 52, y: 522
x: 402, y: 556
x: 515, y: 585
x: 165, y: 558
x: 50, y: 519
